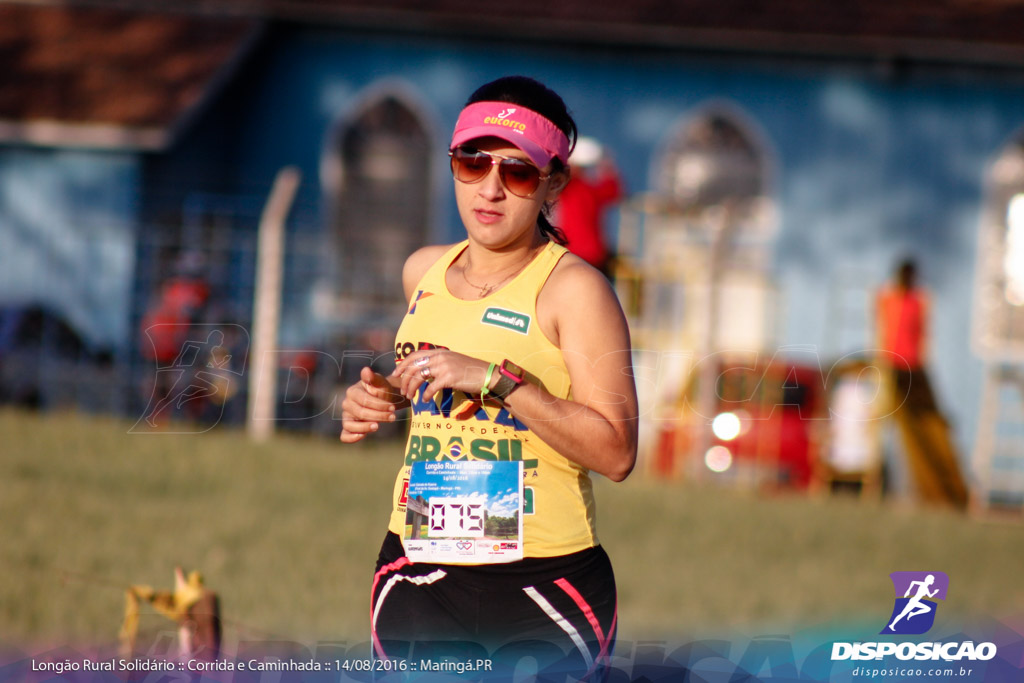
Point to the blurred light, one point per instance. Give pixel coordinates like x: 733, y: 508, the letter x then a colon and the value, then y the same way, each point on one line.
x: 726, y: 426
x: 718, y: 459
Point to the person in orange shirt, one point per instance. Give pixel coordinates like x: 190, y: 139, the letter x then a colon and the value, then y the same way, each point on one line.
x: 903, y: 318
x: 902, y: 311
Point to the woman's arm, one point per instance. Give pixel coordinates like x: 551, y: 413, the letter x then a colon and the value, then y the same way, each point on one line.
x: 598, y: 427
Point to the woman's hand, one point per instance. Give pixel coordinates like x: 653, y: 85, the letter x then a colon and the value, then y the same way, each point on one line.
x: 367, y: 403
x: 439, y: 369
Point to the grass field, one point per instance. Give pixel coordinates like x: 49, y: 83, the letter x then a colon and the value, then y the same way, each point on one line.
x: 287, y: 533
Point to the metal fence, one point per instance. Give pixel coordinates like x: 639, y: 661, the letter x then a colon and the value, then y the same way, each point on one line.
x: 184, y: 363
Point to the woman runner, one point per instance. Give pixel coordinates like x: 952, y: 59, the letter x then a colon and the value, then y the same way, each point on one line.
x: 514, y: 357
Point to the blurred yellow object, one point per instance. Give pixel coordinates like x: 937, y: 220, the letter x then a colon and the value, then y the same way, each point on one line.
x: 175, y: 605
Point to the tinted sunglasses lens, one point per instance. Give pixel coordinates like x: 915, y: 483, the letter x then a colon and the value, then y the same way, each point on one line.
x: 521, y: 179
x: 518, y: 177
x: 470, y: 167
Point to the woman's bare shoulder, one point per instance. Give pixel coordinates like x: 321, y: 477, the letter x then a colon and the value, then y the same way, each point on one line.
x: 419, y: 262
x: 578, y: 296
x: 573, y: 277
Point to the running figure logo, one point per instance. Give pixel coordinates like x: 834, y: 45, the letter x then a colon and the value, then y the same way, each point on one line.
x: 914, y: 613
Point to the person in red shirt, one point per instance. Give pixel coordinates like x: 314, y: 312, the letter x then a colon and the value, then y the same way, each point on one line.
x: 164, y: 334
x: 593, y: 187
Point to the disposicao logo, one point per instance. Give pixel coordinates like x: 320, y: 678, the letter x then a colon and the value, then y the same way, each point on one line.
x: 913, y: 613
x: 511, y: 320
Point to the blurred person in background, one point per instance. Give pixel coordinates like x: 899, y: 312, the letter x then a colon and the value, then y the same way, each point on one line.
x: 515, y: 359
x: 902, y: 318
x: 165, y: 330
x: 593, y: 188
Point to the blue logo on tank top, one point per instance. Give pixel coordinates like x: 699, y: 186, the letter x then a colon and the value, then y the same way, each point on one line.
x: 421, y: 294
x: 443, y: 408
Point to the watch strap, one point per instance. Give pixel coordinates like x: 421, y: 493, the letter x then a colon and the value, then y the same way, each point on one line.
x: 504, y: 386
x: 510, y: 376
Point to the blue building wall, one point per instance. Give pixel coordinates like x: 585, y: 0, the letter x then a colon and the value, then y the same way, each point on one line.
x: 866, y: 165
x: 67, y: 234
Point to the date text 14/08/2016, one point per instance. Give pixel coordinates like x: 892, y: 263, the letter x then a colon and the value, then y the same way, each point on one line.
x: 444, y: 665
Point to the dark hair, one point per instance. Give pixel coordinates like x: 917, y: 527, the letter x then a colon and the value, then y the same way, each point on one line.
x: 906, y: 273
x: 532, y: 94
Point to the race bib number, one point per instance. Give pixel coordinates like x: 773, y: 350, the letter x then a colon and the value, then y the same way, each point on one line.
x: 468, y: 512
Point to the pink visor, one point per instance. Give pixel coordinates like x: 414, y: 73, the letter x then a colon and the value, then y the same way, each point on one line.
x: 526, y: 129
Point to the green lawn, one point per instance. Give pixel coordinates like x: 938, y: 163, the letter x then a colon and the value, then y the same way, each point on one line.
x: 287, y: 533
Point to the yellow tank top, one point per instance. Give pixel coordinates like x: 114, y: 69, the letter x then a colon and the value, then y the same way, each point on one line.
x: 559, y: 512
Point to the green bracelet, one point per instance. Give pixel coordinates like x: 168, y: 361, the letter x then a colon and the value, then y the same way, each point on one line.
x: 487, y: 382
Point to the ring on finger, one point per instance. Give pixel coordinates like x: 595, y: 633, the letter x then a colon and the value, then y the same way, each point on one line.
x: 422, y: 361
x: 425, y: 373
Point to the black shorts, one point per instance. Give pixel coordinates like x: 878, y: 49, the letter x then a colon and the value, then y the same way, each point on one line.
x: 564, y: 604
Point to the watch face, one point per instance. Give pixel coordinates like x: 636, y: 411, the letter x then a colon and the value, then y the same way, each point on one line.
x: 510, y: 368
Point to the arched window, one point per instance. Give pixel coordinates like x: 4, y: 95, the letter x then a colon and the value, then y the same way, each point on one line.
x: 711, y: 160
x: 999, y: 333
x: 381, y: 192
x: 695, y: 266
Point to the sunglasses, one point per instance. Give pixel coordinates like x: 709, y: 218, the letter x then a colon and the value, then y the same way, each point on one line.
x: 472, y: 165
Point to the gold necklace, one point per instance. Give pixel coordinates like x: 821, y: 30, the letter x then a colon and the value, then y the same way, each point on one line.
x: 487, y: 289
